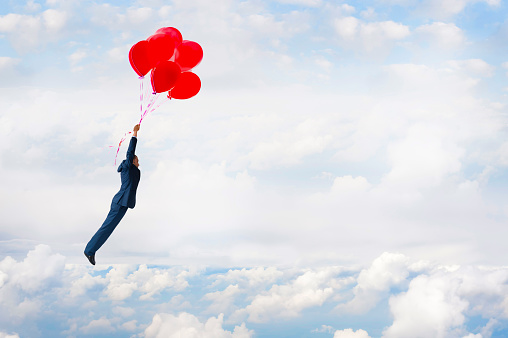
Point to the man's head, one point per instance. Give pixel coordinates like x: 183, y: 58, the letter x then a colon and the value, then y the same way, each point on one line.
x: 135, y: 161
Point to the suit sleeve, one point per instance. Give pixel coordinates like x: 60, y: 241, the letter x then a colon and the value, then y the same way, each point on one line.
x: 131, y: 150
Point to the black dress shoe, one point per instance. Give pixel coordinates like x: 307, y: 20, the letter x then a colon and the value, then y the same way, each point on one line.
x: 91, y: 259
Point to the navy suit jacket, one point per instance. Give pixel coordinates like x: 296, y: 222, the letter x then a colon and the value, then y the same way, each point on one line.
x: 130, y: 176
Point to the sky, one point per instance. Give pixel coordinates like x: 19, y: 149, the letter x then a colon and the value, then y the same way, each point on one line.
x: 340, y: 174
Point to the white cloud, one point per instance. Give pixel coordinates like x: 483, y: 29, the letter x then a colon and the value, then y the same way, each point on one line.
x: 54, y: 20
x: 130, y: 325
x: 349, y: 333
x: 222, y: 301
x: 116, y: 18
x: 77, y: 56
x: 324, y: 329
x: 7, y: 63
x: 117, y: 54
x: 436, y: 303
x: 39, y: 269
x: 32, y: 6
x: 505, y: 66
x: 289, y: 148
x: 271, y: 26
x: 139, y: 15
x: 349, y: 186
x: 21, y: 283
x: 445, y: 9
x: 310, y: 3
x: 437, y: 9
x: 431, y: 307
x: 251, y: 278
x: 476, y: 67
x: 369, y: 13
x: 423, y: 158
x: 398, y: 2
x: 149, y: 282
x: 310, y: 289
x: 446, y: 36
x: 119, y: 288
x: 98, y: 326
x: 124, y: 311
x: 81, y: 285
x: 386, y: 271
x: 324, y: 63
x: 371, y: 37
x: 7, y: 335
x: 27, y: 32
x: 425, y: 300
x: 187, y: 325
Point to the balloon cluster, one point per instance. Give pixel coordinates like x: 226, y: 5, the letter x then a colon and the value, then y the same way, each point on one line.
x: 170, y: 59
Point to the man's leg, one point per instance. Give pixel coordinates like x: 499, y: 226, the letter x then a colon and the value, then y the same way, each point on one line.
x: 115, y: 215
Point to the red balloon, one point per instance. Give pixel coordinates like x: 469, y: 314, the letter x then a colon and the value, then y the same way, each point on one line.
x: 164, y: 76
x: 160, y: 47
x: 188, y: 55
x: 173, y: 32
x: 139, y: 58
x: 187, y: 85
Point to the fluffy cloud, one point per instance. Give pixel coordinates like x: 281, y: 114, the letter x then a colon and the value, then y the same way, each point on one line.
x: 7, y: 62
x: 22, y: 284
x: 77, y: 56
x: 446, y: 36
x: 130, y: 325
x: 324, y: 328
x: 27, y: 32
x: 7, y: 335
x: 446, y: 9
x: 124, y: 311
x: 187, y: 325
x: 371, y: 37
x: 116, y: 18
x: 310, y: 289
x: 436, y: 304
x: 310, y: 3
x: 98, y: 326
x: 422, y: 159
x: 251, y: 278
x: 349, y: 333
x: 425, y: 299
x: 289, y: 148
x: 85, y: 282
x: 222, y: 300
x: 438, y: 9
x: 431, y: 307
x: 39, y: 270
x: 149, y: 282
x: 387, y: 271
x: 476, y: 67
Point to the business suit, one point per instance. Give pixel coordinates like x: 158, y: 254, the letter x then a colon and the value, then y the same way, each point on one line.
x: 125, y: 198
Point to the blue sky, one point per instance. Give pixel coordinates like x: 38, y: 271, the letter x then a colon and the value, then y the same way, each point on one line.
x: 340, y: 174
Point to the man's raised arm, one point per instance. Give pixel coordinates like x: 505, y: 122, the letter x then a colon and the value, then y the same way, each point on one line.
x: 132, y: 145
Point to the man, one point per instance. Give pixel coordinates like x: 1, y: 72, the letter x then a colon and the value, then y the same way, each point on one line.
x: 125, y: 198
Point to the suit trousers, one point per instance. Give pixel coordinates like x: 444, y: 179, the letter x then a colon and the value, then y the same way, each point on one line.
x: 114, y: 217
